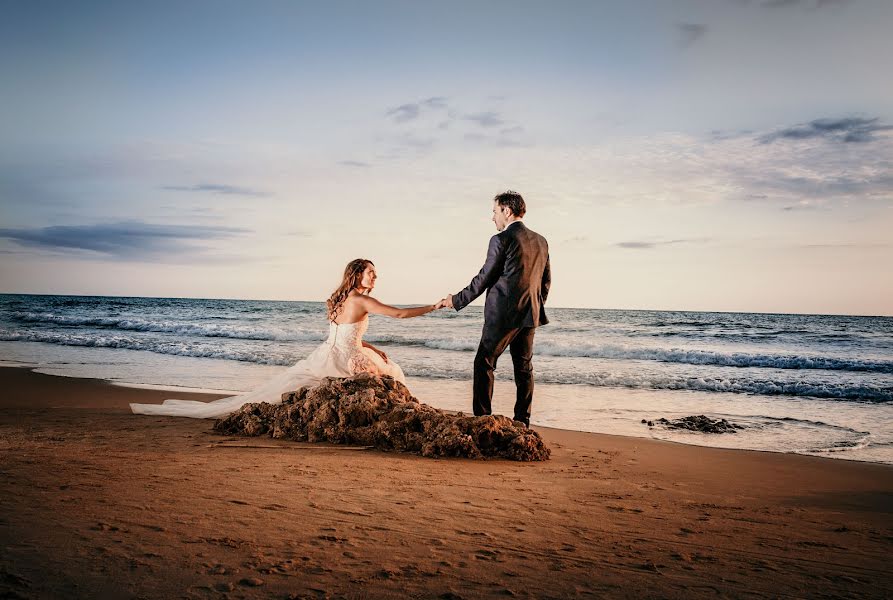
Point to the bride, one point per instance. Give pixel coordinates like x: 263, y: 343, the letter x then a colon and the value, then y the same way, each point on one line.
x: 343, y: 354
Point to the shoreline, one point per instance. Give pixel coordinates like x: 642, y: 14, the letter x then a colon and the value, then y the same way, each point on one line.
x: 503, y: 393
x: 98, y: 502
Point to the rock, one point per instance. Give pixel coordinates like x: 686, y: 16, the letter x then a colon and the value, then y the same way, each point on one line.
x: 368, y: 410
x: 252, y: 582
x: 701, y: 424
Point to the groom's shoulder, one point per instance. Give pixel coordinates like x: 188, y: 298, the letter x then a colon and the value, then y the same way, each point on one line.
x: 532, y: 233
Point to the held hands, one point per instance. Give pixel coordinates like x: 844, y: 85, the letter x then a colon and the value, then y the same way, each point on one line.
x: 445, y: 303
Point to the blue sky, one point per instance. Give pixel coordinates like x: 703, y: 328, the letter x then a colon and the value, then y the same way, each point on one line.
x: 700, y: 155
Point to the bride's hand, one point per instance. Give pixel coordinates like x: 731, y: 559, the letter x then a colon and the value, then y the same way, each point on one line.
x: 441, y: 304
x: 383, y: 356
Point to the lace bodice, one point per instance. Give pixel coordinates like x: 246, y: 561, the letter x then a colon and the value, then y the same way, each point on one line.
x: 347, y: 335
x: 347, y: 339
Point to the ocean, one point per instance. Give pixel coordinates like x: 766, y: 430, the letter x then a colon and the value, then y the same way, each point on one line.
x: 811, y: 384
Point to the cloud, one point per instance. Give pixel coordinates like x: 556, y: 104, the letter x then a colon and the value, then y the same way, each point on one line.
x: 802, y: 205
x: 404, y: 112
x: 435, y: 102
x: 486, y: 119
x: 846, y: 129
x: 690, y: 33
x: 719, y: 135
x: 640, y: 245
x: 843, y: 245
x: 779, y: 3
x: 436, y: 123
x: 217, y: 188
x: 517, y: 129
x: 129, y: 240
x: 505, y: 139
x: 411, y: 110
x: 416, y: 142
x: 818, y: 184
x: 814, y: 4
x: 354, y: 163
x: 577, y: 239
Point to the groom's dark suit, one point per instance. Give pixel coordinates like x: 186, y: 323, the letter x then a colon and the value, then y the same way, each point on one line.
x: 517, y: 277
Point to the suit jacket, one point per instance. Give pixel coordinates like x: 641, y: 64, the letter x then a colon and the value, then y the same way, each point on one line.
x: 516, y: 276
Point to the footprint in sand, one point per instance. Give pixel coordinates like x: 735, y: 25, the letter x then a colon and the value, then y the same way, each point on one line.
x: 474, y: 533
x: 484, y: 554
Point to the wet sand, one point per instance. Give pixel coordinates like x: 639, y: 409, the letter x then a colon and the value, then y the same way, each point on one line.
x: 97, y: 502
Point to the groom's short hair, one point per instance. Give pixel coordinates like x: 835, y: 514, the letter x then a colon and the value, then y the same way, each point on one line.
x: 514, y: 201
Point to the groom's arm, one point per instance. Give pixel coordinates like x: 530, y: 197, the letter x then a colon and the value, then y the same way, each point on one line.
x: 547, y: 279
x: 488, y: 275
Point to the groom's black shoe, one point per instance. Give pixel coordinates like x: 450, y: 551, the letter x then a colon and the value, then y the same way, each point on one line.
x: 523, y: 422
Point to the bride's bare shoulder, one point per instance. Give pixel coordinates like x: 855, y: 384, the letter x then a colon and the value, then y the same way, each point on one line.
x: 355, y: 299
x: 353, y: 308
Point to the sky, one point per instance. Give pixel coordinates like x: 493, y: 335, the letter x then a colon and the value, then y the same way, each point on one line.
x: 711, y: 155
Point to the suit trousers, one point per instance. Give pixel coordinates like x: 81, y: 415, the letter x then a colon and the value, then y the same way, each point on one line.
x: 493, y: 343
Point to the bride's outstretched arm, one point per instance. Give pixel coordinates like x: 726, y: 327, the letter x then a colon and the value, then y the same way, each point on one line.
x: 379, y: 308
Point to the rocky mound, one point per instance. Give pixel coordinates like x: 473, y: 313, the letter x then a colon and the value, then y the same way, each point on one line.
x: 699, y: 423
x: 379, y: 411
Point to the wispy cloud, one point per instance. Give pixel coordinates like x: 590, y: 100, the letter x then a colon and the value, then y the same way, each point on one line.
x: 824, y: 184
x: 813, y: 4
x: 435, y: 102
x: 404, y: 112
x: 217, y: 188
x: 689, y: 33
x: 354, y: 163
x: 779, y: 3
x: 437, y: 122
x: 128, y: 240
x: 843, y: 245
x: 411, y: 110
x: 846, y: 129
x: 577, y: 239
x: 802, y: 205
x: 486, y: 119
x: 643, y: 245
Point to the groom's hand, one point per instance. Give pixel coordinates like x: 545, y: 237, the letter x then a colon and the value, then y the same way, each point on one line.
x: 448, y: 301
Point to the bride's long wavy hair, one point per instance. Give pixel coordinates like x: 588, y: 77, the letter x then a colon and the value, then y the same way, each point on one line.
x: 353, y: 275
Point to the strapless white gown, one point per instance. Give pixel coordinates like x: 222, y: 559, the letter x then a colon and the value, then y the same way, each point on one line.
x: 341, y: 355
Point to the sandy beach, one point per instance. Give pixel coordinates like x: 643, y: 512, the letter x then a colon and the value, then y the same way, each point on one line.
x: 96, y: 502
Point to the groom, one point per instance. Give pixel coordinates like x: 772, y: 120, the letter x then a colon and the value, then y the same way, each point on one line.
x: 517, y: 277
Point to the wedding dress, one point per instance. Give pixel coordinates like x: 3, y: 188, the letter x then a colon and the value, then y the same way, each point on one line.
x: 341, y: 355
